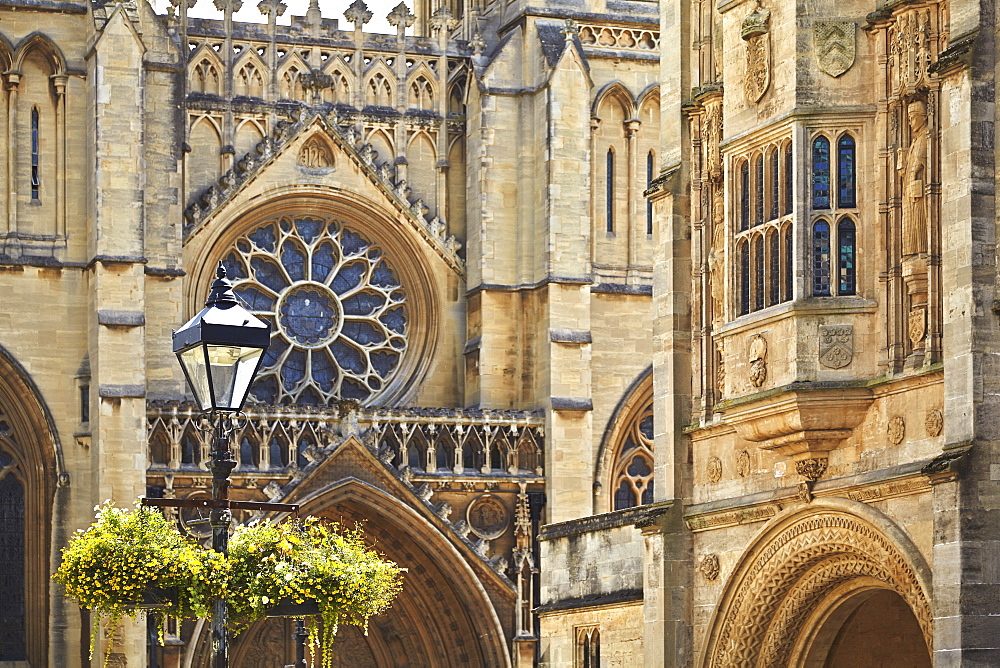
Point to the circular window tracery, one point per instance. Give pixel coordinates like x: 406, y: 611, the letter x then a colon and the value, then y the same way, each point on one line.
x: 337, y: 308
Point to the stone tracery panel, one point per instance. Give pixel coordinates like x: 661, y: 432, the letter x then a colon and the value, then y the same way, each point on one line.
x: 338, y: 309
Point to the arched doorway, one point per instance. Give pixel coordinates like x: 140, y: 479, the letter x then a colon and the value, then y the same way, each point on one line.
x: 444, y: 616
x: 867, y: 626
x: 804, y: 590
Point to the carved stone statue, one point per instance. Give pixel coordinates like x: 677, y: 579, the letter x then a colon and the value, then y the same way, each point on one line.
x: 914, y: 174
x: 715, y: 259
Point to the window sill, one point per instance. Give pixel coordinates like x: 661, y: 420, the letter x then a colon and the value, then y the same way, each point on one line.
x: 808, y: 306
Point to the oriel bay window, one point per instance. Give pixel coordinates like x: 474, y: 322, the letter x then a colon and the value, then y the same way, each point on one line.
x: 833, y: 245
x: 763, y: 229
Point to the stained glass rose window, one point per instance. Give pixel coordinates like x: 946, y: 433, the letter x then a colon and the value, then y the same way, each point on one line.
x: 338, y: 311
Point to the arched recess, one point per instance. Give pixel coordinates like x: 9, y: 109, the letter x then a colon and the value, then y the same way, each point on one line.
x: 620, y: 439
x: 406, y: 254
x: 31, y: 467
x: 443, y: 617
x: 797, y: 570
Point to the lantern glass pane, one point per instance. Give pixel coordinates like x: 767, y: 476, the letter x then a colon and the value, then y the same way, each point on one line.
x: 232, y: 372
x: 193, y: 361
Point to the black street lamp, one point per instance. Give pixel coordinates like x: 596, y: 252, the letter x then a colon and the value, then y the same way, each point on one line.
x: 220, y: 351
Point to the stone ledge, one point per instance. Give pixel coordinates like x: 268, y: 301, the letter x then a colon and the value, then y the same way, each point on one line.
x: 110, y: 318
x: 612, y: 520
x: 121, y: 391
x: 592, y: 601
x: 572, y: 404
x: 572, y: 336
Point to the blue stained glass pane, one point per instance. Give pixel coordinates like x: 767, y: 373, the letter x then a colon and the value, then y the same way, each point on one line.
x: 647, y: 494
x: 363, y: 303
x: 384, y: 362
x: 821, y: 258
x: 348, y: 277
x: 845, y: 172
x: 308, y: 397
x: 845, y: 241
x: 308, y: 315
x: 352, y: 389
x: 265, y: 238
x: 352, y: 243
x: 821, y: 173
x: 268, y: 273
x: 397, y: 342
x: 254, y: 298
x: 235, y: 269
x: 624, y: 496
x: 384, y: 277
x: 374, y: 254
x: 294, y: 369
x: 348, y: 357
x: 309, y: 229
x: 244, y: 246
x: 646, y: 427
x: 639, y: 467
x: 323, y: 370
x: 286, y: 225
x: 362, y: 332
x: 394, y: 319
x: 324, y: 259
x: 333, y: 228
x: 374, y: 383
x: 274, y: 352
x: 293, y: 257
x: 265, y: 390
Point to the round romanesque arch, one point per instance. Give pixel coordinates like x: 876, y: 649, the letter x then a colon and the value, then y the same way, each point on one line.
x: 445, y: 616
x: 372, y: 347
x: 801, y: 572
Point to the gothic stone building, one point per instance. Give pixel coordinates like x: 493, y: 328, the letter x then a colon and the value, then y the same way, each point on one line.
x: 641, y: 334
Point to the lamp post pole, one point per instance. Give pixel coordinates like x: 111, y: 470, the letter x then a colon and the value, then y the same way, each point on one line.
x: 220, y: 351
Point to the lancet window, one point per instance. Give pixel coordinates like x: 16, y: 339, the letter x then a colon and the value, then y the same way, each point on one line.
x: 633, y: 472
x: 588, y: 647
x: 35, y: 181
x: 833, y: 240
x: 763, y: 227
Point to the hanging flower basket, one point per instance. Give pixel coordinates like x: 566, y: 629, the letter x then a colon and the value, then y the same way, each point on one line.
x: 129, y: 561
x: 288, y: 607
x: 312, y: 563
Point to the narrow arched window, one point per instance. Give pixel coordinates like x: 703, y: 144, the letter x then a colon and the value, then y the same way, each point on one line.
x: 13, y: 641
x: 774, y: 189
x: 633, y: 471
x: 821, y: 258
x: 787, y: 275
x: 758, y: 188
x: 758, y: 273
x: 773, y: 269
x: 35, y: 182
x: 787, y: 209
x: 745, y: 195
x: 846, y: 177
x: 649, y: 184
x: 847, y: 279
x: 744, y: 278
x: 821, y: 173
x: 609, y: 191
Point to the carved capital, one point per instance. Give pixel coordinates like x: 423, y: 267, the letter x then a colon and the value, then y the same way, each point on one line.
x: 811, y: 469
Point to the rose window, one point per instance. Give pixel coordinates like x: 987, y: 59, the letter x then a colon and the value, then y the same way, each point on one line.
x: 337, y: 309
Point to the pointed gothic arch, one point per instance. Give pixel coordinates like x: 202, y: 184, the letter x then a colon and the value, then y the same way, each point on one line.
x: 31, y: 469
x: 808, y: 562
x: 621, y: 439
x: 42, y: 43
x: 444, y: 616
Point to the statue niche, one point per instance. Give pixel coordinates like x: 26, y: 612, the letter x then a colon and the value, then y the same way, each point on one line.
x: 913, y: 170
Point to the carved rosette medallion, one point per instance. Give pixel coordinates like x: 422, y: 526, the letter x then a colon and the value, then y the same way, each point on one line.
x: 896, y: 430
x: 756, y: 33
x: 758, y: 365
x: 835, y: 46
x: 836, y: 345
x: 743, y: 464
x: 714, y: 470
x: 487, y: 517
x: 934, y: 422
x: 709, y: 566
x: 811, y: 469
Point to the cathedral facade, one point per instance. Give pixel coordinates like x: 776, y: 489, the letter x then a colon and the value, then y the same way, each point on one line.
x: 641, y: 334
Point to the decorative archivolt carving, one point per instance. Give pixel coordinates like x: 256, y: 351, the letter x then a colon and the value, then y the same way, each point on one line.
x: 782, y: 578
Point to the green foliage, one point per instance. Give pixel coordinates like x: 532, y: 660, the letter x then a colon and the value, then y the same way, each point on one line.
x: 309, y: 561
x: 111, y: 565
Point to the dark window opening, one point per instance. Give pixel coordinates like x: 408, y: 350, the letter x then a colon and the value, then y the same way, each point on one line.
x: 846, y: 177
x: 774, y: 186
x: 821, y: 173
x: 745, y: 196
x: 758, y: 275
x: 774, y: 270
x: 789, y: 252
x: 609, y: 191
x: 821, y: 259
x: 649, y: 184
x: 758, y: 188
x: 788, y: 180
x: 35, y: 183
x: 85, y: 403
x: 744, y: 279
x: 847, y: 282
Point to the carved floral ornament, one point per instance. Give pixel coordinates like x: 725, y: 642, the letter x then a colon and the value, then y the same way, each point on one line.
x: 709, y: 567
x: 788, y: 576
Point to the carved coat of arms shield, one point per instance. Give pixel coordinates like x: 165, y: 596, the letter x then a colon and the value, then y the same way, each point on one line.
x: 755, y: 32
x: 835, y: 46
x: 836, y: 345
